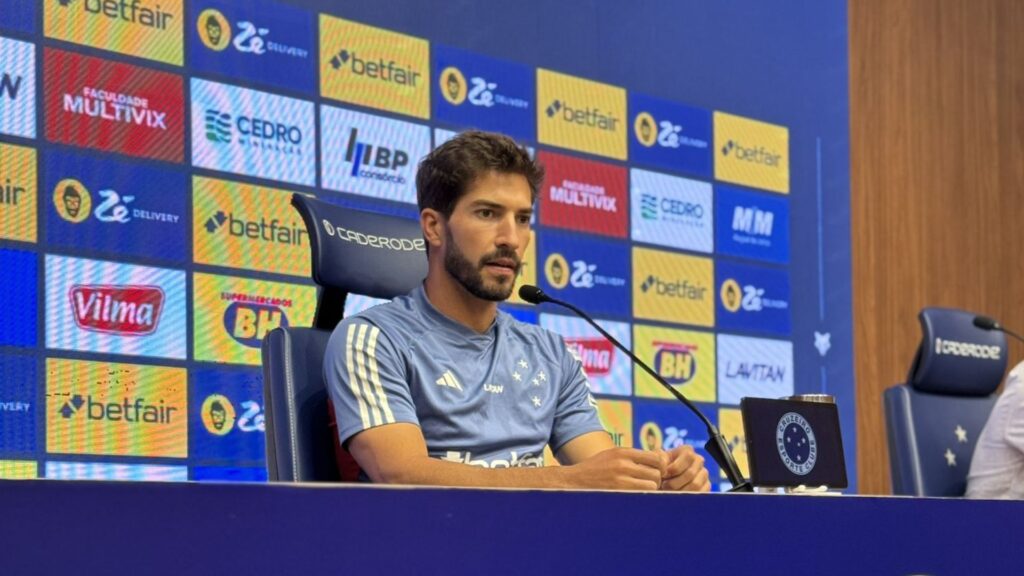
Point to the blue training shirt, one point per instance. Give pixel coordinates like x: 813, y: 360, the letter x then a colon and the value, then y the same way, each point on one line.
x: 492, y: 400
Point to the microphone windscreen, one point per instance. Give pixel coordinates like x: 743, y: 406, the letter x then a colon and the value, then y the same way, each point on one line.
x: 532, y: 294
x: 986, y: 323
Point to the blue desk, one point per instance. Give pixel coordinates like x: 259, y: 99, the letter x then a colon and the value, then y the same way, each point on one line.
x: 54, y: 527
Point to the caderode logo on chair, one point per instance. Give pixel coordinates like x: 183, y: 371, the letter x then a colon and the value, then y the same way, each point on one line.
x: 113, y: 107
x: 124, y: 310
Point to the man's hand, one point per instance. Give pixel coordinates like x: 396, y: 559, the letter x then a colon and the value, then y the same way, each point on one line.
x: 685, y: 470
x: 618, y: 469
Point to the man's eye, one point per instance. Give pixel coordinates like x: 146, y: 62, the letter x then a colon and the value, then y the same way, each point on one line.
x: 524, y: 219
x: 486, y: 213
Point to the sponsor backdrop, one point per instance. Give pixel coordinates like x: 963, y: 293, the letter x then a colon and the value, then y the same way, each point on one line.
x: 148, y: 151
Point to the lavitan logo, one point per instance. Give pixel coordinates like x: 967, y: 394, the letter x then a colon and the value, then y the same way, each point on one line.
x: 596, y: 354
x: 113, y: 107
x: 122, y: 310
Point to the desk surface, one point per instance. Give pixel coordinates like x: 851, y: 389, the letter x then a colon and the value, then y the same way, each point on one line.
x: 53, y: 527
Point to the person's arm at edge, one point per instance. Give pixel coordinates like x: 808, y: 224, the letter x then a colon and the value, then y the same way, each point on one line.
x: 397, y: 454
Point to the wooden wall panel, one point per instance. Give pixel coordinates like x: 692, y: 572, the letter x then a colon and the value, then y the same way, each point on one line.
x: 937, y: 183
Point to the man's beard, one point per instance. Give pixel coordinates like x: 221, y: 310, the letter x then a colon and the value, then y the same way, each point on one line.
x: 470, y: 276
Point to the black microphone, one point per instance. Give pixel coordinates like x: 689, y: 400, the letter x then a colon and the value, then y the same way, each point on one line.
x: 716, y: 444
x: 985, y: 323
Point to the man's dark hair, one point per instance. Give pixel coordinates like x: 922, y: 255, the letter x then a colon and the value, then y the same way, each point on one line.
x: 449, y: 170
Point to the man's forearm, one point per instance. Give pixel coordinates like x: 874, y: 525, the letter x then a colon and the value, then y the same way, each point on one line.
x: 433, y: 472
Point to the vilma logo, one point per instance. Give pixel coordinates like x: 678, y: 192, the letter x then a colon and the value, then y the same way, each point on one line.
x: 795, y: 441
x: 72, y: 201
x: 130, y: 11
x: 132, y: 410
x: 453, y: 86
x: 118, y: 310
x: 590, y: 117
x: 214, y: 29
x: 388, y: 71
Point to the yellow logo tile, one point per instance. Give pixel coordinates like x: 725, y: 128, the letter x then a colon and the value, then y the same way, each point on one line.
x: 150, y: 29
x: 252, y: 227
x: 617, y: 417
x: 730, y: 424
x: 683, y: 358
x: 673, y: 287
x: 17, y: 193
x: 18, y: 470
x: 751, y: 153
x: 374, y: 67
x: 581, y: 114
x: 232, y: 315
x: 116, y: 409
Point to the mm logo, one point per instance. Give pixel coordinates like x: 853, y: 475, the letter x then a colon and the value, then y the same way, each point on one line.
x: 752, y: 221
x: 120, y: 310
x: 10, y: 86
x: 249, y: 322
x: 129, y: 410
x: 588, y: 117
x: 676, y: 363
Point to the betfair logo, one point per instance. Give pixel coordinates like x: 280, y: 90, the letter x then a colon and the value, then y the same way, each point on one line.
x: 274, y: 231
x: 755, y: 154
x: 588, y: 117
x: 130, y: 11
x: 130, y: 410
x: 10, y: 194
x: 674, y: 289
x: 388, y: 71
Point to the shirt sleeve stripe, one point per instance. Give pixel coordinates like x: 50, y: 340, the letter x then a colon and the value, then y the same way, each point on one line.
x: 389, y: 417
x: 368, y: 392
x: 352, y: 381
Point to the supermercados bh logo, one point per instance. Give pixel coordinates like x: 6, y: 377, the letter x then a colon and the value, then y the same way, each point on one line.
x: 753, y: 367
x: 18, y: 405
x: 581, y: 114
x: 683, y: 358
x: 374, y: 67
x: 583, y: 195
x: 671, y: 211
x: 253, y: 133
x: 262, y: 42
x: 753, y: 298
x: 149, y: 29
x: 94, y: 306
x: 673, y: 287
x: 592, y: 274
x: 232, y: 315
x: 608, y: 368
x: 106, y: 408
x: 115, y: 206
x: 751, y: 153
x: 752, y: 225
x: 489, y: 94
x: 17, y: 88
x: 252, y: 227
x: 371, y: 155
x: 17, y: 193
x: 113, y: 107
x: 669, y: 135
x: 230, y: 423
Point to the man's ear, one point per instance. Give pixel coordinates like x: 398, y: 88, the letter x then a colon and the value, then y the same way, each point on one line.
x: 432, y: 223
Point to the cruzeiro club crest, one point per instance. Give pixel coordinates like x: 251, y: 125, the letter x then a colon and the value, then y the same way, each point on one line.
x: 794, y: 438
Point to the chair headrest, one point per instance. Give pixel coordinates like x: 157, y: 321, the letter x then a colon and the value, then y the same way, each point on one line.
x: 362, y: 252
x: 955, y: 356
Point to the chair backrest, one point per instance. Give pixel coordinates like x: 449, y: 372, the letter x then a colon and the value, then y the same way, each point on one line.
x: 353, y: 252
x: 933, y: 421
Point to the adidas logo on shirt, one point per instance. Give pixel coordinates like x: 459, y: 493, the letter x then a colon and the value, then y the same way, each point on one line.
x: 448, y: 379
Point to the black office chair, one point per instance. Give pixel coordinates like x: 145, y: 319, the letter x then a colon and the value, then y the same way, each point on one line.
x: 353, y: 252
x: 934, y: 420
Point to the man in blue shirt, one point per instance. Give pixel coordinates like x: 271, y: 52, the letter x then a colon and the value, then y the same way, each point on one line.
x: 440, y: 387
